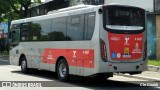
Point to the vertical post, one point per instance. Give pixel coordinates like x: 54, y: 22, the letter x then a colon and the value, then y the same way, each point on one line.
x: 154, y: 5
x: 8, y: 36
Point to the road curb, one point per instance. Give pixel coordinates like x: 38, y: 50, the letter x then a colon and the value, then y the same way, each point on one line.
x: 4, y: 57
x: 138, y: 77
x: 149, y: 68
x: 153, y: 68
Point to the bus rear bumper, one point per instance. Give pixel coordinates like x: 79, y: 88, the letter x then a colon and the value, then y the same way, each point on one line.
x: 123, y: 67
x: 126, y: 67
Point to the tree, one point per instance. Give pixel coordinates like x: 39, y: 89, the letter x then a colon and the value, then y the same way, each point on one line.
x: 15, y: 9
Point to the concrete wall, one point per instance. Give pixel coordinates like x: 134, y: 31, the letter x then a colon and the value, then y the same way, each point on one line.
x: 158, y: 35
x: 151, y: 33
x: 75, y: 2
x: 146, y: 4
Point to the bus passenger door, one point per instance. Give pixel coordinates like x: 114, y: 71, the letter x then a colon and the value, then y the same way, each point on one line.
x: 14, y: 42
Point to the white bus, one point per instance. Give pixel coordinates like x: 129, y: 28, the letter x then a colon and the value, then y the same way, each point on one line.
x: 83, y: 40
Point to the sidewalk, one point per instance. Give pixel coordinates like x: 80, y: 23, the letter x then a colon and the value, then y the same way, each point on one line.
x: 146, y: 75
x: 153, y: 68
x: 4, y: 57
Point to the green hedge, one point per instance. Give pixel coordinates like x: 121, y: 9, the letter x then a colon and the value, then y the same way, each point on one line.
x: 154, y: 62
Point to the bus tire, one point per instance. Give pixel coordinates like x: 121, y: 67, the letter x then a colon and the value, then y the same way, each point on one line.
x: 24, y: 67
x: 63, y: 70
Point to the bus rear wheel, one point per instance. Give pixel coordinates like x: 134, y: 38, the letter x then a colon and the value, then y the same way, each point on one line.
x: 24, y: 67
x: 63, y: 70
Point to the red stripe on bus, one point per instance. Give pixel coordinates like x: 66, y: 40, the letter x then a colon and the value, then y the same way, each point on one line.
x: 74, y: 57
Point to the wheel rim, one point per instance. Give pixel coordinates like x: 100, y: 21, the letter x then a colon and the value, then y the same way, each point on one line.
x: 23, y: 65
x: 62, y: 70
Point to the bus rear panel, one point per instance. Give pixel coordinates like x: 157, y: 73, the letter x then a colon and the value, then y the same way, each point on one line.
x: 123, y: 39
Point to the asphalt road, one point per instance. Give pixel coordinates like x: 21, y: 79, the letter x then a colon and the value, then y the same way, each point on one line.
x: 50, y: 81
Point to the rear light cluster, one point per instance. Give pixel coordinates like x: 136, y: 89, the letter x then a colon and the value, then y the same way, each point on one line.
x: 145, y: 51
x: 103, y: 50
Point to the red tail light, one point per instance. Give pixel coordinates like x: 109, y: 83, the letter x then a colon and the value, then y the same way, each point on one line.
x: 103, y: 50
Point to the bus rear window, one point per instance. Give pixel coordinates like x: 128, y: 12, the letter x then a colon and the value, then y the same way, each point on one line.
x: 124, y: 18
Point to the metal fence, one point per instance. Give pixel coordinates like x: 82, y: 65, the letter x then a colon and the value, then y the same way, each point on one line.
x: 156, y: 5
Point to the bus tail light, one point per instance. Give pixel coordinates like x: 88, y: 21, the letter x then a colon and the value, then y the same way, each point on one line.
x: 145, y: 51
x: 103, y: 50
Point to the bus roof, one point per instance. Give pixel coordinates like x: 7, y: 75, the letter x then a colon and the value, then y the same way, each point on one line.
x: 51, y: 13
x: 62, y: 12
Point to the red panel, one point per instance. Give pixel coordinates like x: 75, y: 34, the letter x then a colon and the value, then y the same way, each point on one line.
x: 75, y: 57
x: 80, y: 63
x: 87, y: 63
x: 125, y: 47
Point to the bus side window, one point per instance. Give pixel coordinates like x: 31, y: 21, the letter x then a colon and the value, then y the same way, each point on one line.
x: 59, y: 29
x: 75, y: 27
x: 33, y: 31
x: 89, y: 25
x: 10, y: 35
x: 24, y: 32
x: 15, y: 33
x: 13, y: 36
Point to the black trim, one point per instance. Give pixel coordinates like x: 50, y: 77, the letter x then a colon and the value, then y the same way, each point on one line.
x: 124, y: 31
